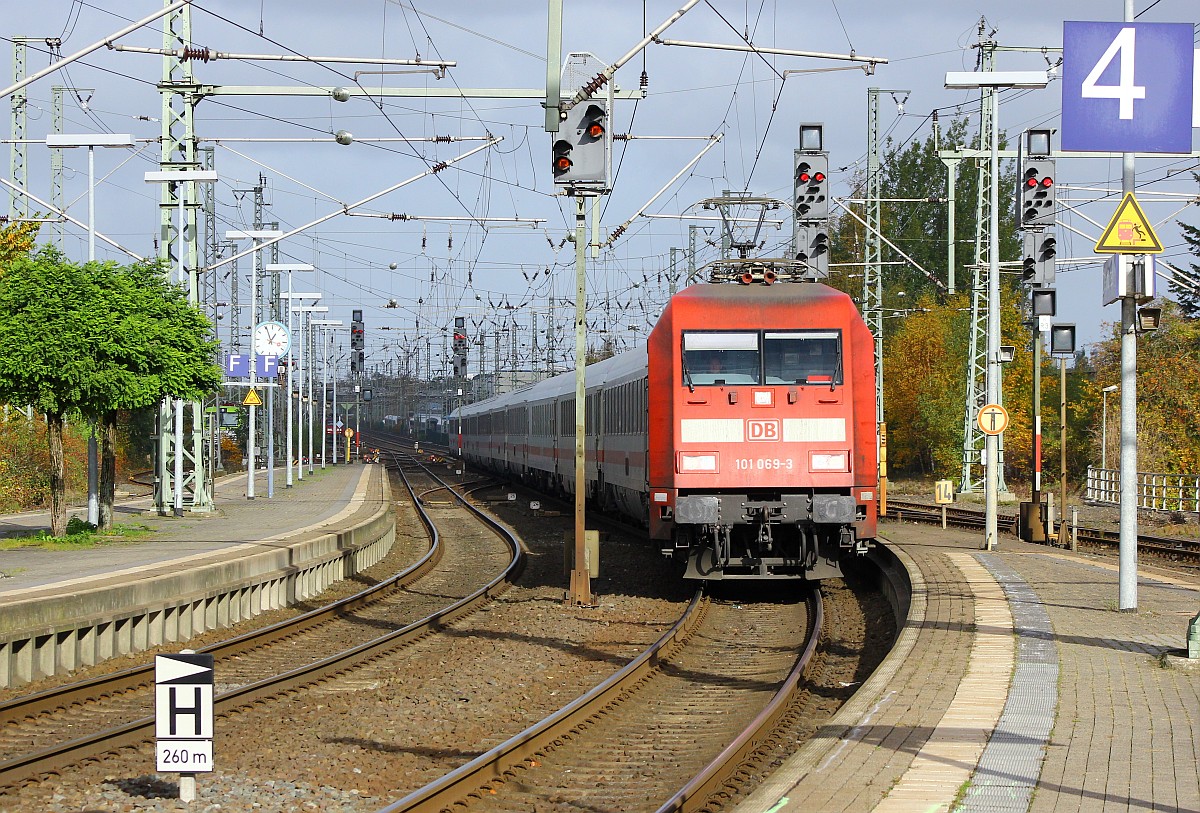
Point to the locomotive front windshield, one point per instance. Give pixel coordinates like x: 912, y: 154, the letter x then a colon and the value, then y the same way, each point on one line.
x: 762, y: 357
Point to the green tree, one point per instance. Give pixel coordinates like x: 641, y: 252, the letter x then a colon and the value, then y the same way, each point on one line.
x: 1188, y: 296
x: 94, y: 338
x: 913, y: 216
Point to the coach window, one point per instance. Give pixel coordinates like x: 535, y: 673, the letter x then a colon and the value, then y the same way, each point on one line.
x: 720, y: 358
x: 803, y: 357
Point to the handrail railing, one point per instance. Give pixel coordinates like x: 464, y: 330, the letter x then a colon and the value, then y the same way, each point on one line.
x: 1155, y: 491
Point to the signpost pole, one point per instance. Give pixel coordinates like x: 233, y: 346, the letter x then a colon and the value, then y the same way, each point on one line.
x: 1153, y: 65
x: 1127, y: 544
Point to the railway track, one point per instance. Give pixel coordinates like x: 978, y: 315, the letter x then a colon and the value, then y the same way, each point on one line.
x: 668, y: 731
x: 1184, y: 551
x: 44, y: 733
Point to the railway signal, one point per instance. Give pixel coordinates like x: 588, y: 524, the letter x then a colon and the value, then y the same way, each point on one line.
x: 1047, y: 250
x: 1035, y: 196
x: 460, y: 347
x: 812, y: 249
x: 1028, y: 260
x: 1037, y: 263
x: 581, y: 151
x: 811, y: 186
x: 358, y: 335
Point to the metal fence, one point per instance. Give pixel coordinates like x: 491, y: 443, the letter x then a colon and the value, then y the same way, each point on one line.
x: 1156, y: 492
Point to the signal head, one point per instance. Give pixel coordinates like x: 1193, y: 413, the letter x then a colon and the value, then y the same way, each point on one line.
x: 562, y: 157
x: 811, y: 193
x: 593, y: 122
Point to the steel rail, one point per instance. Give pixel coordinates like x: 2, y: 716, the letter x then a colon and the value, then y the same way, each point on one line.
x: 53, y: 759
x: 138, y: 677
x: 719, y: 772
x: 477, y: 777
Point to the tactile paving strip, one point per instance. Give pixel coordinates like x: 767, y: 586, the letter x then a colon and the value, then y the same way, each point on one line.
x: 1009, y: 768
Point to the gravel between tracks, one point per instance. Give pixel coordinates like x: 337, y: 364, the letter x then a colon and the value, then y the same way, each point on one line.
x: 360, y: 742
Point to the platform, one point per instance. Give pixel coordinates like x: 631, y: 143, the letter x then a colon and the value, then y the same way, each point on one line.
x: 63, y: 609
x: 1015, y: 685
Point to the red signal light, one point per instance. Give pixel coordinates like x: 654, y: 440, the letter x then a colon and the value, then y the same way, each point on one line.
x: 819, y: 177
x: 1047, y: 182
x: 1031, y: 182
x: 595, y: 129
x: 804, y: 177
x: 562, y: 163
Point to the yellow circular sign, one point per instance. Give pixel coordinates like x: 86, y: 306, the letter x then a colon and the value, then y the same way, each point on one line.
x: 993, y: 419
x: 349, y: 432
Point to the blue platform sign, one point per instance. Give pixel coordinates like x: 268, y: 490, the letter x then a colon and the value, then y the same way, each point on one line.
x: 237, y: 365
x: 1127, y: 87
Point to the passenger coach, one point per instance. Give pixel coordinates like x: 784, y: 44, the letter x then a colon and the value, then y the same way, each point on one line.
x: 743, y: 435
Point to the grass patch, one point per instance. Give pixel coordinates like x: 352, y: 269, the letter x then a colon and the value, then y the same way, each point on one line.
x: 80, y: 534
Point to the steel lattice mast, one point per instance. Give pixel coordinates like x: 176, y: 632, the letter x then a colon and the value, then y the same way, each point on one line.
x: 973, y: 438
x: 178, y: 146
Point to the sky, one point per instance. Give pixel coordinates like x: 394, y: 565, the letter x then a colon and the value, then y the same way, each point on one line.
x: 411, y: 276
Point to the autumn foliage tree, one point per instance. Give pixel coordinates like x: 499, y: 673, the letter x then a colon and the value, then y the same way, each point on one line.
x: 1168, y: 394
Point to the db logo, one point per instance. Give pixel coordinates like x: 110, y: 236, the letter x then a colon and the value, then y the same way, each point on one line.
x: 762, y: 430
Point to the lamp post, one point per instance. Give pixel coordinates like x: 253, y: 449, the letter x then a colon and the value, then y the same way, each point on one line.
x: 91, y: 141
x: 291, y: 297
x: 305, y: 376
x: 1104, y: 423
x: 256, y: 235
x: 995, y: 80
x: 180, y: 176
x: 322, y: 325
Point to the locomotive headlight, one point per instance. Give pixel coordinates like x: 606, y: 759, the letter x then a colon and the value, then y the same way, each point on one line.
x: 696, y: 461
x: 828, y: 461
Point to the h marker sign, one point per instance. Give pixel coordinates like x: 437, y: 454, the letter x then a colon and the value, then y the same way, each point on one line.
x: 183, y: 719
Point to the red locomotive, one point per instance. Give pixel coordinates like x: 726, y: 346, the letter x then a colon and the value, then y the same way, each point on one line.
x: 743, y: 436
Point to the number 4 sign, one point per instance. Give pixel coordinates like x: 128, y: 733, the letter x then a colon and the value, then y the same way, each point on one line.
x: 1127, y: 87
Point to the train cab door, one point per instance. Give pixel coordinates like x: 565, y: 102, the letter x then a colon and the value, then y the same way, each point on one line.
x: 553, y: 440
x: 594, y: 432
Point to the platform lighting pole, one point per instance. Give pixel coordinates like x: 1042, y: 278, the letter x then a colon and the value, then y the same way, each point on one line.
x: 291, y: 297
x: 91, y: 141
x: 333, y: 407
x: 181, y: 176
x: 975, y: 81
x: 305, y: 376
x: 256, y: 235
x: 322, y: 326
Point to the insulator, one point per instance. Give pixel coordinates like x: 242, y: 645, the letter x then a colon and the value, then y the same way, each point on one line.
x: 194, y: 52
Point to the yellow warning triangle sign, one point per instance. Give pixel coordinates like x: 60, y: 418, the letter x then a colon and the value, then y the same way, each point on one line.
x: 1129, y: 232
x: 252, y: 398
